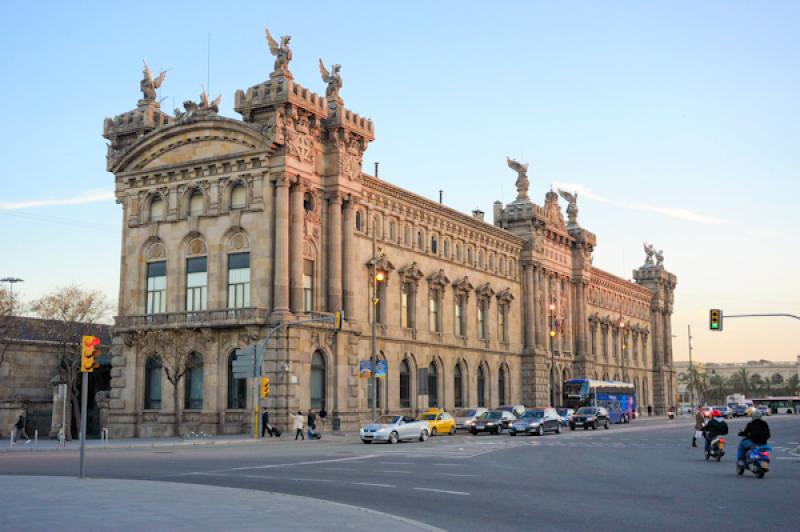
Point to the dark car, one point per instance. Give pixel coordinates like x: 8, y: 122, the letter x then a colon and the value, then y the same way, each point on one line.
x: 493, y: 422
x: 536, y: 421
x: 589, y: 417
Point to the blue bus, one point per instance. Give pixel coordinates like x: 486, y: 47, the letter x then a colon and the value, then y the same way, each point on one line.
x: 619, y: 398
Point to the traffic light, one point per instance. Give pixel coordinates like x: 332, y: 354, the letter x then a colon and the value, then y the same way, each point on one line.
x: 715, y: 319
x: 338, y: 319
x: 264, y: 387
x: 89, y: 351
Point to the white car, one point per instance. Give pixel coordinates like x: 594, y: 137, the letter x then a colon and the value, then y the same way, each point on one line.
x: 464, y: 422
x: 393, y: 429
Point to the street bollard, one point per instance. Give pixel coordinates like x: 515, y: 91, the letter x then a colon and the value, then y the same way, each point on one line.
x: 11, y: 439
x: 35, y: 438
x: 62, y: 437
x: 104, y: 436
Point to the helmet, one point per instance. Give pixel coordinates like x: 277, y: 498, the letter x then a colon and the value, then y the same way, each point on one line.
x: 756, y: 413
x: 716, y: 413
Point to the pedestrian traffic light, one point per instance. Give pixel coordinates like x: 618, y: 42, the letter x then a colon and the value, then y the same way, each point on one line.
x: 264, y: 387
x: 89, y: 351
x: 338, y: 319
x: 715, y: 319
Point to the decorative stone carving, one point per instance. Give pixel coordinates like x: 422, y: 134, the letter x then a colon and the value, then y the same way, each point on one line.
x: 156, y: 250
x: 199, y: 110
x: 649, y: 252
x: 300, y: 146
x: 522, y: 182
x: 505, y: 295
x: 410, y: 273
x: 463, y: 285
x: 282, y: 53
x: 350, y: 166
x: 484, y: 290
x: 196, y: 246
x: 334, y: 81
x: 572, y: 206
x: 149, y: 85
x: 438, y: 279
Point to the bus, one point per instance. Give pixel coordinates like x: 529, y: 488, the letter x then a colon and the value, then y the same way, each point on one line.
x: 619, y: 398
x: 780, y: 405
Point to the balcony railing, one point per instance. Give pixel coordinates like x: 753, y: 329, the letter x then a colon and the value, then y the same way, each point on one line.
x: 202, y: 318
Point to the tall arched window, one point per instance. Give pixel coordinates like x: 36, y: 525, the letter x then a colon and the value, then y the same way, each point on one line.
x: 481, y: 386
x: 458, y: 251
x: 405, y: 385
x: 238, y: 197
x: 156, y: 209
x: 434, y: 244
x: 318, y: 379
x: 358, y: 221
x: 193, y: 385
x: 196, y: 203
x: 501, y: 385
x: 420, y: 240
x: 458, y: 386
x: 392, y: 231
x: 433, y: 386
x: 152, y: 383
x: 469, y: 256
x: 237, y: 388
x: 406, y: 235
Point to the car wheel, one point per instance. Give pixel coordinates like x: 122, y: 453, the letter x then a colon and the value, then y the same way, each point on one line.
x: 540, y: 431
x: 594, y: 425
x: 586, y: 427
x: 393, y: 438
x: 434, y: 432
x: 366, y: 441
x: 606, y: 425
x: 558, y: 428
x: 423, y: 435
x: 453, y: 430
x: 512, y: 432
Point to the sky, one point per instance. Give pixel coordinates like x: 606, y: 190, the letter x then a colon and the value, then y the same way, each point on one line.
x: 676, y: 123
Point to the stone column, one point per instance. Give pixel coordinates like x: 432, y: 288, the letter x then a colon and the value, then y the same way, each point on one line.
x: 540, y: 307
x: 348, y: 260
x: 296, y: 248
x: 280, y: 300
x: 528, y: 307
x: 580, y: 305
x: 334, y: 252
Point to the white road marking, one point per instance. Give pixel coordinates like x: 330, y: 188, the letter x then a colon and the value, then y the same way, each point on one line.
x: 373, y: 485
x: 395, y: 463
x: 311, y: 479
x: 275, y: 466
x: 447, y: 465
x: 450, y: 492
x: 789, y: 458
x: 456, y: 475
x: 394, y: 471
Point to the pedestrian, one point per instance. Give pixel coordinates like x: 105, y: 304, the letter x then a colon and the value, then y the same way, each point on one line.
x: 649, y: 410
x: 312, y: 424
x: 699, y: 422
x: 19, y: 430
x: 265, y: 424
x: 297, y: 425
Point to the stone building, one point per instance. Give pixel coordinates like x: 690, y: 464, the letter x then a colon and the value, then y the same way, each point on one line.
x: 765, y: 377
x: 233, y: 226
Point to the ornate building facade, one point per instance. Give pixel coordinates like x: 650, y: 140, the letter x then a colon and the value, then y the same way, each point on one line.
x: 234, y: 226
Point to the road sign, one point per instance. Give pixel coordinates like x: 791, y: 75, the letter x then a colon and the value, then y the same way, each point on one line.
x: 380, y: 369
x: 243, y: 364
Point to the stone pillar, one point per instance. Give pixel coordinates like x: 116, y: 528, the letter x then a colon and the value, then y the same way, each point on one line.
x: 334, y: 252
x: 348, y: 260
x: 541, y: 312
x: 580, y: 305
x: 296, y: 248
x: 528, y: 307
x: 280, y: 307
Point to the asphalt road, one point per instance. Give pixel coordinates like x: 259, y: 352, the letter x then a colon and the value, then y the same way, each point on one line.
x: 642, y: 476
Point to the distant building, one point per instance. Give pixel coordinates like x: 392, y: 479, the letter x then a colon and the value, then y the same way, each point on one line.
x: 236, y: 225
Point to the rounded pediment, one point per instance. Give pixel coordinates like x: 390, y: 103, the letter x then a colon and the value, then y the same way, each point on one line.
x: 187, y: 142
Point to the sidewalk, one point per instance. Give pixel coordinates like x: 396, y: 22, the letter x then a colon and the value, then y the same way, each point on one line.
x: 66, y: 504
x: 146, y: 443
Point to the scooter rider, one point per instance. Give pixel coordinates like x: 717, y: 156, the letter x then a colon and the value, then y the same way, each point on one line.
x: 755, y: 433
x: 715, y: 427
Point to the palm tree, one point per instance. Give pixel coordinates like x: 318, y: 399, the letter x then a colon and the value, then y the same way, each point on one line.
x: 695, y: 382
x: 793, y: 385
x: 718, y: 385
x: 741, y: 381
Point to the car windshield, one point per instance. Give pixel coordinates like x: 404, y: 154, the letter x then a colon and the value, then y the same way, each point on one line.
x: 427, y: 417
x: 471, y: 412
x: 493, y: 415
x: 562, y: 411
x: 533, y: 414
x: 387, y: 420
x: 586, y: 410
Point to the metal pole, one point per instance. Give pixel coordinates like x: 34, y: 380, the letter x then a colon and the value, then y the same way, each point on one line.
x: 256, y: 396
x: 84, y: 394
x: 552, y: 361
x: 374, y: 324
x: 65, y: 389
x: 691, y: 371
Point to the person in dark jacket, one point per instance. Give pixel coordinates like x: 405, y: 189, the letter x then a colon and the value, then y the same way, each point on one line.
x: 715, y: 427
x: 755, y: 433
x: 265, y: 424
x: 19, y: 430
x: 312, y: 424
x: 699, y: 423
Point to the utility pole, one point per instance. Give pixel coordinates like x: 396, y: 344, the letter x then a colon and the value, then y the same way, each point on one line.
x: 552, y: 356
x: 691, y: 371
x: 374, y: 347
x: 11, y: 281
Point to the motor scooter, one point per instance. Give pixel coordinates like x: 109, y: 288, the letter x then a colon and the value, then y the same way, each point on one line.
x: 671, y: 414
x: 716, y: 449
x: 756, y: 459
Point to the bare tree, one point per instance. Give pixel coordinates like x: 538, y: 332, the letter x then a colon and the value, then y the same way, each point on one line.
x: 67, y: 314
x: 10, y: 327
x: 177, y: 350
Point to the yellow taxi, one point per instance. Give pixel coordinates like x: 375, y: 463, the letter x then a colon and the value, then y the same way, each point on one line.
x: 439, y: 421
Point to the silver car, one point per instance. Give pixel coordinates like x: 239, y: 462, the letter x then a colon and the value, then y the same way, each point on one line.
x: 464, y: 422
x: 393, y: 429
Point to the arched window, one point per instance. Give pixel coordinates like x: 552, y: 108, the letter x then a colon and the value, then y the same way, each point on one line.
x: 458, y: 251
x: 156, y: 209
x: 502, y: 265
x: 501, y: 385
x: 376, y: 226
x: 359, y: 225
x: 405, y: 385
x: 407, y: 235
x: 481, y: 386
x: 480, y: 259
x: 318, y: 380
x: 237, y: 388
x: 152, y: 384
x: 446, y: 249
x: 420, y: 241
x: 458, y: 386
x: 196, y: 203
x: 433, y: 386
x: 193, y: 385
x: 392, y: 231
x: 491, y: 263
x: 469, y: 256
x: 434, y: 244
x: 238, y: 197
x: 777, y: 378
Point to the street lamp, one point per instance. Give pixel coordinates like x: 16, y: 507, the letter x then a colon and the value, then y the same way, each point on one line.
x: 622, y: 347
x: 378, y: 276
x: 11, y: 281
x: 552, y: 355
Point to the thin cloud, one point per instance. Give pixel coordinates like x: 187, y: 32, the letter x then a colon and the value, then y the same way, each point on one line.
x: 90, y: 196
x: 672, y: 212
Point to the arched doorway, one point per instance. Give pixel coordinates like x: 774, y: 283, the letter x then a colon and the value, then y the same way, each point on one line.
x: 433, y: 385
x: 193, y: 387
x: 318, y: 380
x: 458, y: 386
x: 237, y: 388
x: 501, y: 385
x: 405, y: 385
x: 481, y: 386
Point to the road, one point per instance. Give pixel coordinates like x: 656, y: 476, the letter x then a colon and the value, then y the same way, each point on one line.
x: 632, y: 477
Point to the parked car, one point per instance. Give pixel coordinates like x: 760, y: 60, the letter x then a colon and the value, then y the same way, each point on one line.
x: 725, y: 411
x: 706, y: 411
x: 763, y: 410
x: 493, y: 422
x: 590, y: 417
x: 393, y: 429
x: 439, y: 421
x: 517, y: 410
x: 565, y: 414
x: 463, y: 422
x: 740, y: 411
x: 537, y: 421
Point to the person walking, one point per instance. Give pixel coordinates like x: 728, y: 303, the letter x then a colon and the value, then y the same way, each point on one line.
x: 19, y: 430
x: 297, y: 425
x: 649, y: 410
x: 265, y: 424
x: 312, y: 424
x: 699, y: 423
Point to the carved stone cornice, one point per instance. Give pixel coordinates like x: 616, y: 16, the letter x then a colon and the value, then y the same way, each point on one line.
x: 484, y: 290
x: 438, y: 279
x: 410, y: 273
x: 462, y: 286
x: 505, y: 295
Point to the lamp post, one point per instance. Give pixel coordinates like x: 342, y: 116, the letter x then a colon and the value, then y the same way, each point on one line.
x: 378, y: 276
x: 552, y: 355
x: 11, y: 281
x: 691, y: 372
x: 622, y: 347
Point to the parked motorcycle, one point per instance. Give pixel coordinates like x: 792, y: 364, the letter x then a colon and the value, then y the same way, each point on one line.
x: 756, y: 459
x: 716, y: 449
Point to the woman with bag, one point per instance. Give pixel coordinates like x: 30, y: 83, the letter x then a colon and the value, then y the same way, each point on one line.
x: 699, y: 423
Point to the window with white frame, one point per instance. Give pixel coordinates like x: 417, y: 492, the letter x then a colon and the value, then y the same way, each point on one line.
x: 238, y: 197
x: 308, y: 285
x: 434, y: 310
x: 156, y: 300
x: 239, y: 280
x: 407, y: 305
x: 196, y: 283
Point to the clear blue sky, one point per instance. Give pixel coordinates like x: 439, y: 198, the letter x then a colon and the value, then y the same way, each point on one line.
x: 677, y: 122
